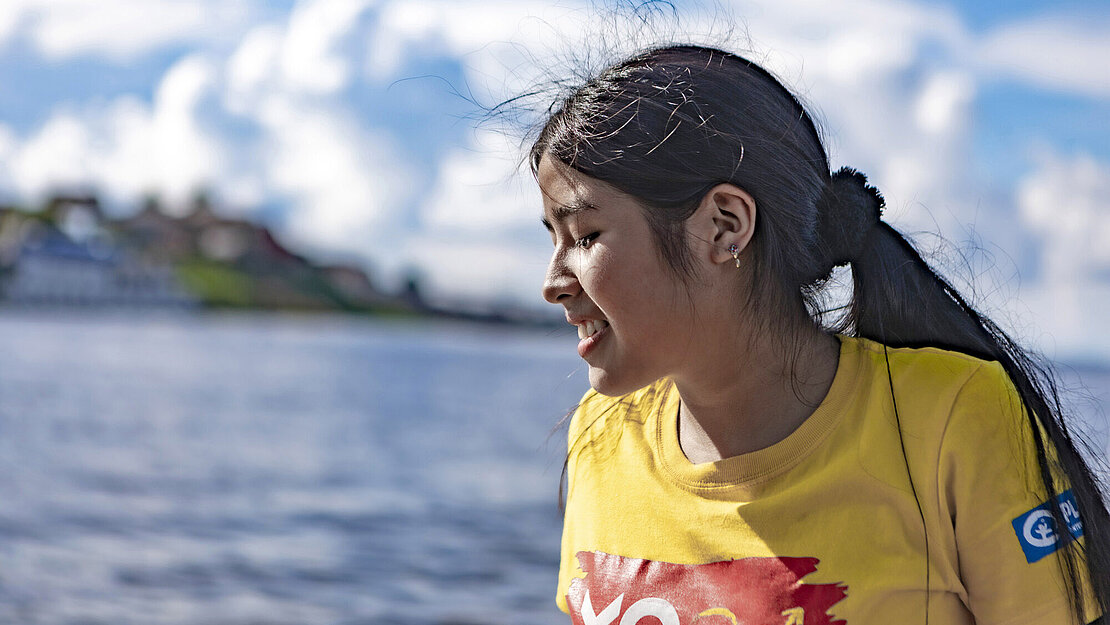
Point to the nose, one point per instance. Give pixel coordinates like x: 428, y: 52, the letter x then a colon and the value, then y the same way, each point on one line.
x: 560, y: 282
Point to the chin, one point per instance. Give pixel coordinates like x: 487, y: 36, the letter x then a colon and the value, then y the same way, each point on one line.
x: 610, y: 385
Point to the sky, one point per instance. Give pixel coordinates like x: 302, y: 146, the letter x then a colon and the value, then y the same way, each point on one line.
x: 351, y: 127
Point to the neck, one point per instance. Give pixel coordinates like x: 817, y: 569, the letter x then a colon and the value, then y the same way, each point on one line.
x: 752, y: 394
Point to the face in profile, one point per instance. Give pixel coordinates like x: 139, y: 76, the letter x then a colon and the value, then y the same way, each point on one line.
x: 632, y: 310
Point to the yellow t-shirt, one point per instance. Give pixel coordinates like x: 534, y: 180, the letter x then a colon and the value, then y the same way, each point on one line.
x: 821, y: 527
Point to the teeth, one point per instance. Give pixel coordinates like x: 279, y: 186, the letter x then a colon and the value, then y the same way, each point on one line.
x: 590, y: 328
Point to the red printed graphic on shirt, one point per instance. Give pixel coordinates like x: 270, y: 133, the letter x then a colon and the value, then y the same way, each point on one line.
x: 751, y: 591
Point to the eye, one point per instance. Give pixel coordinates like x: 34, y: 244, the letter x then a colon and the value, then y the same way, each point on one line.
x: 585, y: 241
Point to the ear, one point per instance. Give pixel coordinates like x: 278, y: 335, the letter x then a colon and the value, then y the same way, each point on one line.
x: 731, y: 212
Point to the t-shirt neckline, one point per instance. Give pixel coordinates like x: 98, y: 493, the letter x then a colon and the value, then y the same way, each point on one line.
x: 764, y: 464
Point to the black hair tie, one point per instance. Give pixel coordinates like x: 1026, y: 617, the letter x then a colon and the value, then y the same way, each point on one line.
x: 847, y: 213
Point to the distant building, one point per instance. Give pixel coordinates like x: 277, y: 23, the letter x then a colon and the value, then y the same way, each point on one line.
x: 41, y: 265
x: 71, y: 254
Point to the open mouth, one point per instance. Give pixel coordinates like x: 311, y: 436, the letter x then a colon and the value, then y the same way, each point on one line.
x: 590, y: 328
x: 589, y: 334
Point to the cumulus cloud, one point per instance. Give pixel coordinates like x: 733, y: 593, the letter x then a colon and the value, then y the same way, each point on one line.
x: 849, y: 42
x: 480, y: 235
x: 309, y: 59
x: 1059, y: 52
x: 55, y: 155
x: 941, y: 105
x: 118, y: 29
x: 10, y: 15
x: 868, y: 70
x: 251, y: 68
x: 435, y: 27
x: 340, y: 178
x: 894, y: 115
x: 260, y: 113
x: 483, y: 187
x: 1066, y: 204
x: 127, y: 147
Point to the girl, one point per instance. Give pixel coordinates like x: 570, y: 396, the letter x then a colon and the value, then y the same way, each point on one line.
x: 739, y: 461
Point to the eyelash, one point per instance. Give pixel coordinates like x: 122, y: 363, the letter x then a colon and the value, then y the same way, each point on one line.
x: 585, y: 241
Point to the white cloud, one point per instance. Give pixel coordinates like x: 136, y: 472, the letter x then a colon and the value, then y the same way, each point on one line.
x: 309, y: 59
x: 942, y: 104
x: 54, y: 156
x: 483, y: 187
x: 11, y: 13
x: 849, y: 42
x: 895, y: 81
x: 341, y: 181
x: 340, y: 177
x: 504, y: 47
x: 251, y: 67
x: 127, y: 148
x: 186, y: 156
x: 457, y: 28
x: 481, y: 237
x: 1070, y: 320
x: 1057, y: 52
x: 1066, y: 204
x: 895, y: 116
x: 866, y: 71
x: 119, y: 29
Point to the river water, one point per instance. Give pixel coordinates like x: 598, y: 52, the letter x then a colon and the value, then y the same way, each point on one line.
x: 260, y: 469
x: 255, y: 469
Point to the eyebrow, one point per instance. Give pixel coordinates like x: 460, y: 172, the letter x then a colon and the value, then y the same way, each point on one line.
x: 562, y: 212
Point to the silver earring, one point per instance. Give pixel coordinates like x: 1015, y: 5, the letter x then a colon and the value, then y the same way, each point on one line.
x: 735, y: 251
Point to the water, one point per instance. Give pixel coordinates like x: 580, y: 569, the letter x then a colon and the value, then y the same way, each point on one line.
x: 254, y: 469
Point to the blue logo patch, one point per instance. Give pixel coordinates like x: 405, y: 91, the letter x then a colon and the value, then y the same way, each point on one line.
x: 1036, y: 529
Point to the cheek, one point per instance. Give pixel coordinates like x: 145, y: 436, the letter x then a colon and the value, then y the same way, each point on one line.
x: 630, y: 289
x: 611, y: 280
x: 596, y: 271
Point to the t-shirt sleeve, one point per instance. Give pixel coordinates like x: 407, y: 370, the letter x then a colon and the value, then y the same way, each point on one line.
x: 1008, y: 547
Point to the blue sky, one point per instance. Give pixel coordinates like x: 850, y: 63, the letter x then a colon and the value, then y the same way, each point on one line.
x: 336, y: 122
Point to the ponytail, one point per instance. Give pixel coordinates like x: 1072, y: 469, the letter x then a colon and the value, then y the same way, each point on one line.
x: 899, y: 301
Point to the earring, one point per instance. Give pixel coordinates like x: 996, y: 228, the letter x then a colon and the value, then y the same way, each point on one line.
x: 735, y: 251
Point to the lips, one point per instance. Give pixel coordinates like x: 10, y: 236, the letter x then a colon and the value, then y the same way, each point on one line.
x: 591, y: 333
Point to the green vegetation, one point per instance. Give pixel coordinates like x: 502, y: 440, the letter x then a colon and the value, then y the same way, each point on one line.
x: 216, y: 284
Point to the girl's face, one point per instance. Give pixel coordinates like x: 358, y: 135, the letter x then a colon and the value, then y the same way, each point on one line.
x: 633, y: 313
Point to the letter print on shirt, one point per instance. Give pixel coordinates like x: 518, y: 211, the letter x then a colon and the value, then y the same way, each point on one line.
x: 621, y: 591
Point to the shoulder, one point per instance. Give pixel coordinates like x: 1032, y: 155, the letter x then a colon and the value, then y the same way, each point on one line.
x: 924, y: 366
x: 940, y: 395
x: 964, y: 414
x: 931, y: 383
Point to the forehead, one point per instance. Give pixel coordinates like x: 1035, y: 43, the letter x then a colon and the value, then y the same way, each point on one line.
x: 559, y: 184
x: 568, y: 192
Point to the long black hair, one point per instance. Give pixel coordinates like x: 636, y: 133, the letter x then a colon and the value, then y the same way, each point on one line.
x: 668, y: 124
